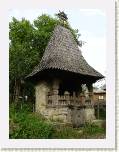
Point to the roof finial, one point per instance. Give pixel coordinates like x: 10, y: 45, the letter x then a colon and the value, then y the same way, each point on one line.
x: 62, y: 16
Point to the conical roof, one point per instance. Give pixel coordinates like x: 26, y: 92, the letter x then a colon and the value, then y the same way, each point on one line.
x: 62, y: 53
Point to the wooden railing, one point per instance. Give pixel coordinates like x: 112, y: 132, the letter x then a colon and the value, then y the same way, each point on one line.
x: 67, y: 100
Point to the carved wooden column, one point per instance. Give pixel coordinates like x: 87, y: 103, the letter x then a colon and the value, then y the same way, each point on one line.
x: 55, y: 91
x: 90, y: 89
x: 82, y: 98
x: 80, y: 95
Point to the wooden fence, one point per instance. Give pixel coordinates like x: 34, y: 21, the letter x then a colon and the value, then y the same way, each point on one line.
x: 100, y: 109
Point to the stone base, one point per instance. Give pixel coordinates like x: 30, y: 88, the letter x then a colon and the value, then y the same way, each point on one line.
x: 89, y: 113
x: 59, y: 114
x: 75, y: 116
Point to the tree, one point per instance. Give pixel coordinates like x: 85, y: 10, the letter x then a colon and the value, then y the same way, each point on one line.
x: 27, y: 45
x: 23, y: 57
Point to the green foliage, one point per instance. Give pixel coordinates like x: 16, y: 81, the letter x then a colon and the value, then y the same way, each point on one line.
x: 23, y: 57
x: 27, y: 125
x: 43, y: 28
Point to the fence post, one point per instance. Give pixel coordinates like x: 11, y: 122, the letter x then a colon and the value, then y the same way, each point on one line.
x: 98, y: 111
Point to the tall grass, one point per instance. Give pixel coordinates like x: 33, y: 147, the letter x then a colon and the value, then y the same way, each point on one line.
x: 27, y: 125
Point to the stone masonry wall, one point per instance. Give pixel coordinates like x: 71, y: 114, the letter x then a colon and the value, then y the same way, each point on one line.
x: 60, y: 114
x: 41, y: 90
x: 76, y: 115
x: 89, y: 114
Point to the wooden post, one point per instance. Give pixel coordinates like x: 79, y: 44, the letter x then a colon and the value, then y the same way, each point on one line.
x: 90, y: 89
x: 66, y: 94
x: 82, y: 98
x: 74, y: 98
x: 55, y: 91
x: 98, y: 111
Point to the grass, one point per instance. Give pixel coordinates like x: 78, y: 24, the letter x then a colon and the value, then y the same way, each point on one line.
x: 88, y: 131
x: 24, y: 124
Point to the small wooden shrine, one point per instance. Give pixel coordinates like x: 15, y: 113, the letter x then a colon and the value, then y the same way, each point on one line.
x: 58, y: 81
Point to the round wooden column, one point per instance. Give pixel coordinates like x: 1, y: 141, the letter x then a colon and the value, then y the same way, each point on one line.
x: 55, y: 91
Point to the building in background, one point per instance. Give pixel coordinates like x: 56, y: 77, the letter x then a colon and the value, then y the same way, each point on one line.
x: 99, y: 94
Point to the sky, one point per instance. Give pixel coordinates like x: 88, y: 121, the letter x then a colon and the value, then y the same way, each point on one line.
x: 91, y: 24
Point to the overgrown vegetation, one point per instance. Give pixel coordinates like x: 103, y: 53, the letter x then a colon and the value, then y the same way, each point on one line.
x: 24, y: 124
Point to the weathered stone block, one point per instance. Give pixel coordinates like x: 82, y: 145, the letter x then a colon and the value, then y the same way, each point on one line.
x: 41, y: 91
x: 89, y: 113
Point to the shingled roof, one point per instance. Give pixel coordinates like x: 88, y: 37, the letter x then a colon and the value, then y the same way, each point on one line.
x: 62, y: 53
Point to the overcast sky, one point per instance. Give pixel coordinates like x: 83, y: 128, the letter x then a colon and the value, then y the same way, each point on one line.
x: 91, y: 24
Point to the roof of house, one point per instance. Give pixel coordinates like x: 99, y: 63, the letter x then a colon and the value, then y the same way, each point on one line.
x: 99, y: 91
x: 63, y: 53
